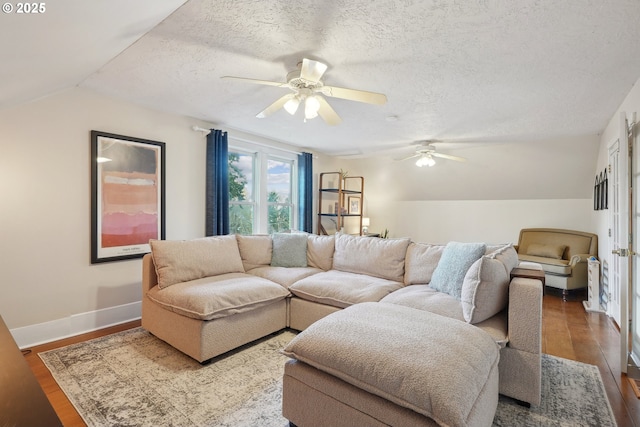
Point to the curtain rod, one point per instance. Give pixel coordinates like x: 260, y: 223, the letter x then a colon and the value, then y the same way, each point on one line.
x: 248, y: 141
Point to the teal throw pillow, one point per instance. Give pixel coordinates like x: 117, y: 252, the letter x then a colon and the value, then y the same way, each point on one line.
x: 289, y: 250
x: 456, y: 259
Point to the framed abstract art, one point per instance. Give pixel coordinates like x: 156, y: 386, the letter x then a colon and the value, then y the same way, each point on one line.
x: 127, y: 196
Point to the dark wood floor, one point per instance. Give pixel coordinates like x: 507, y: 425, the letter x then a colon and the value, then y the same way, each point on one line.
x: 568, y: 331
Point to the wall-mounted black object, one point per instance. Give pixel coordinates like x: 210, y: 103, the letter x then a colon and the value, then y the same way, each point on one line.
x: 601, y: 192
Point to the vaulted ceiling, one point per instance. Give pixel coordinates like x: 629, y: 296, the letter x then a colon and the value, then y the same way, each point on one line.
x: 451, y: 70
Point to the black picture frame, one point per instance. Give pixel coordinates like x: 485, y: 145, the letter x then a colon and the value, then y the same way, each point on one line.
x: 127, y: 196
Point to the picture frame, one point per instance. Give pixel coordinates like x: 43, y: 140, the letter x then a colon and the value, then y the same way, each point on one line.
x: 354, y: 205
x: 127, y: 196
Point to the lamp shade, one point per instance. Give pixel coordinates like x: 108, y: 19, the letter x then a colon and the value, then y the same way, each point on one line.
x: 311, y: 107
x: 366, y: 222
x: 292, y: 105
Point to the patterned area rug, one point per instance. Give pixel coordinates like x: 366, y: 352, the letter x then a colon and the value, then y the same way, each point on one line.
x: 133, y: 379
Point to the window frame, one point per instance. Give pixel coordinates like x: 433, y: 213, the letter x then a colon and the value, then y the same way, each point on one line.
x: 262, y: 154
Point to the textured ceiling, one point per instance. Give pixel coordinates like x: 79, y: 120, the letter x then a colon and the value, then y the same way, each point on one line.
x: 452, y: 70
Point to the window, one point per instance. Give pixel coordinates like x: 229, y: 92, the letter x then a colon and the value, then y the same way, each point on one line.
x: 279, y: 203
x: 242, y: 206
x: 262, y: 194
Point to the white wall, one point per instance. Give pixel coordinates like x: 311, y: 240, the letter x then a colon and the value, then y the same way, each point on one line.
x: 491, y: 221
x: 500, y: 189
x: 611, y: 133
x: 45, y: 208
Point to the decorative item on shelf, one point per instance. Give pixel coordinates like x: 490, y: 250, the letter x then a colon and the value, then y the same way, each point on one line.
x: 365, y: 225
x: 384, y: 234
x: 354, y: 205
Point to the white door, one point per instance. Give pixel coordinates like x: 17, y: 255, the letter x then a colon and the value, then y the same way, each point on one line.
x: 634, y: 294
x: 613, y: 297
x: 622, y: 230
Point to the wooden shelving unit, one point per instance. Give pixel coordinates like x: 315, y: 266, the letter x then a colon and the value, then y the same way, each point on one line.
x: 340, y: 203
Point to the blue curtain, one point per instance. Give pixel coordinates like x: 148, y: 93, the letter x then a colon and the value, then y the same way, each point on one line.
x: 305, y: 191
x: 217, y: 186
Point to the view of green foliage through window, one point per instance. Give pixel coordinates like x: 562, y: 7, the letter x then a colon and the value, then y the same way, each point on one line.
x: 241, y: 205
x: 279, y: 198
x: 245, y: 200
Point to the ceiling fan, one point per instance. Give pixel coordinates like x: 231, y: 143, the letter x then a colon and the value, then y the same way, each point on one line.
x: 308, y: 88
x: 426, y: 153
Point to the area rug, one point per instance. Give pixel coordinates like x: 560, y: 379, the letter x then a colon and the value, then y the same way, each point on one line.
x: 133, y: 379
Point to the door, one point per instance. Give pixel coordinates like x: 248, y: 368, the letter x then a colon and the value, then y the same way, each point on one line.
x: 634, y: 294
x: 622, y: 230
x: 615, y: 279
x: 625, y: 257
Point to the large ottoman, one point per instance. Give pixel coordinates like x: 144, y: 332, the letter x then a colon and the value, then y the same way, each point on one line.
x: 379, y: 364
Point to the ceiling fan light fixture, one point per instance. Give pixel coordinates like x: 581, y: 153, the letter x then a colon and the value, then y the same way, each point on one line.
x: 311, y: 107
x: 292, y: 105
x: 425, y: 160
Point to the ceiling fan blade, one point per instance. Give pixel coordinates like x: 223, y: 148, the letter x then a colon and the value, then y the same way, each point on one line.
x: 255, y: 81
x: 312, y: 70
x: 448, y: 156
x: 410, y: 157
x: 275, y: 106
x: 327, y: 113
x: 354, y: 95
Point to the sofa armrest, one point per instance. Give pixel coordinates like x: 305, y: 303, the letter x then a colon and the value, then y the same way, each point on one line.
x: 579, y: 258
x: 525, y: 314
x: 149, y: 278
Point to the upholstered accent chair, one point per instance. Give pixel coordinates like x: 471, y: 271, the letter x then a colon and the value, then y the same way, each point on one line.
x: 563, y: 254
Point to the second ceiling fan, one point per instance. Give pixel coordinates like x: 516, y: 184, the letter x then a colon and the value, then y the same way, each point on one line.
x: 308, y: 89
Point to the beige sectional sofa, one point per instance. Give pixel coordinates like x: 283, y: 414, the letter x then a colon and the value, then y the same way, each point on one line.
x: 207, y: 296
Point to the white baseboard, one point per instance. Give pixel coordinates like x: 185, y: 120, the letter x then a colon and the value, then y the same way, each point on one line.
x: 75, y: 324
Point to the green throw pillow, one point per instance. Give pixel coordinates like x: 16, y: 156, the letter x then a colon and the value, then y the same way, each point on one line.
x: 456, y: 259
x: 289, y: 250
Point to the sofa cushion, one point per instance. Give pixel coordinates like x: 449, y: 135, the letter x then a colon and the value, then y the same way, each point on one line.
x: 420, y: 262
x: 442, y: 374
x: 289, y: 250
x: 423, y: 297
x: 215, y: 297
x: 342, y: 289
x: 374, y: 256
x: 453, y: 266
x: 546, y: 251
x: 320, y: 251
x: 183, y: 260
x: 255, y: 250
x: 284, y: 276
x: 485, y: 290
x: 506, y: 254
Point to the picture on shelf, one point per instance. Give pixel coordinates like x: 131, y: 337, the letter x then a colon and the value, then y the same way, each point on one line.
x: 354, y: 205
